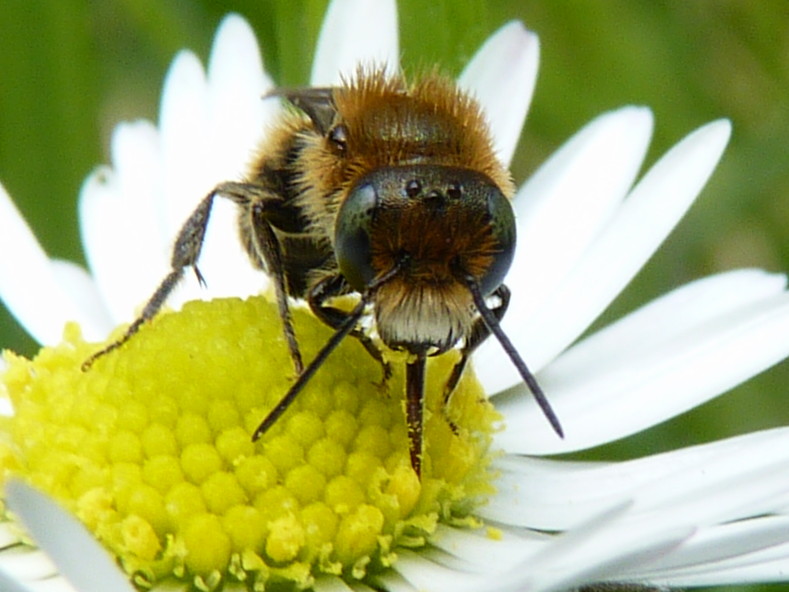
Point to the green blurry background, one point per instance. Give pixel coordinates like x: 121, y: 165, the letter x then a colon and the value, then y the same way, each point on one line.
x: 71, y: 69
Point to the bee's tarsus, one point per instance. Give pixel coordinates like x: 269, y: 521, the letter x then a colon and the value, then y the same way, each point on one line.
x: 449, y: 388
x: 386, y: 369
x: 88, y: 364
x: 150, y: 309
x: 200, y: 278
x: 454, y: 378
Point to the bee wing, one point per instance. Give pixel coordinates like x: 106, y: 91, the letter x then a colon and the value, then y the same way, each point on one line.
x: 316, y: 102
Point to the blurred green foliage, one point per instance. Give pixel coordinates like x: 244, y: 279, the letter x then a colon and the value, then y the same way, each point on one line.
x: 71, y: 69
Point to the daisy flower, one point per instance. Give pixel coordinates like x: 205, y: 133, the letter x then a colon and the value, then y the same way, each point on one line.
x: 149, y: 452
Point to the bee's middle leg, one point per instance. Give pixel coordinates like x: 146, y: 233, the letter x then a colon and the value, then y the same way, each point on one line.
x: 479, y: 333
x: 335, y: 285
x: 268, y: 250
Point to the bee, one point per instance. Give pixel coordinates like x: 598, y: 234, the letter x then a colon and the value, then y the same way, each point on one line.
x: 386, y: 191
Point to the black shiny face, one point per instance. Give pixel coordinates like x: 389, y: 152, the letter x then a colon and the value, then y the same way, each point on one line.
x: 442, y: 220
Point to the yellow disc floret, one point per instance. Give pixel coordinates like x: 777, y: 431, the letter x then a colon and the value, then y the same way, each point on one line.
x: 151, y: 448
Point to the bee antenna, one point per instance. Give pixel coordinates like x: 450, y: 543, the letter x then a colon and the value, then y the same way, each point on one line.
x: 492, y: 323
x: 347, y: 326
x: 342, y: 332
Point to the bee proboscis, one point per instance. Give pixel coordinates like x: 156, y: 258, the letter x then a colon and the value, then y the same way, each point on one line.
x: 387, y: 191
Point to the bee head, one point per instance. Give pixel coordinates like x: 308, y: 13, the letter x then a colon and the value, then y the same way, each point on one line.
x: 436, y: 225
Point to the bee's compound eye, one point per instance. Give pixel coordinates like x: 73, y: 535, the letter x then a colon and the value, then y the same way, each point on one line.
x: 502, y: 222
x: 352, y: 236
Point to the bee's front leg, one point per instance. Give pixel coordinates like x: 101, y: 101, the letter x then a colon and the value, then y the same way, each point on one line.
x: 336, y: 285
x: 479, y: 333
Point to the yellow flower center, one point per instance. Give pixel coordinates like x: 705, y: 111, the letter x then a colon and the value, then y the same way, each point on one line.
x: 151, y: 449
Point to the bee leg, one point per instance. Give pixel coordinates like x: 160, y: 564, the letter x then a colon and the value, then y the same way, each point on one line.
x: 267, y: 249
x: 414, y: 407
x: 479, y: 333
x: 335, y: 285
x: 303, y: 378
x: 185, y: 254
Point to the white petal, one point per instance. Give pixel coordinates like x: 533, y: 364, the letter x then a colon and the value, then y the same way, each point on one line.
x: 426, y: 570
x: 767, y: 566
x: 715, y: 554
x: 766, y: 572
x: 95, y: 320
x: 744, y: 483
x: 77, y: 555
x: 665, y: 318
x: 238, y: 112
x: 8, y: 583
x: 502, y: 75
x: 678, y: 367
x: 646, y: 217
x: 185, y: 139
x: 26, y: 564
x: 542, y: 494
x: 560, y: 211
x: 188, y: 150
x: 724, y: 482
x: 391, y: 581
x: 355, y: 32
x: 589, y: 552
x: 209, y: 131
x: 336, y: 584
x: 590, y: 555
x: 9, y: 534
x: 30, y: 285
x: 557, y: 495
x: 124, y: 230
x: 474, y: 551
x: 569, y: 201
x: 650, y: 212
x: 423, y: 574
x: 223, y: 262
x: 240, y: 118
